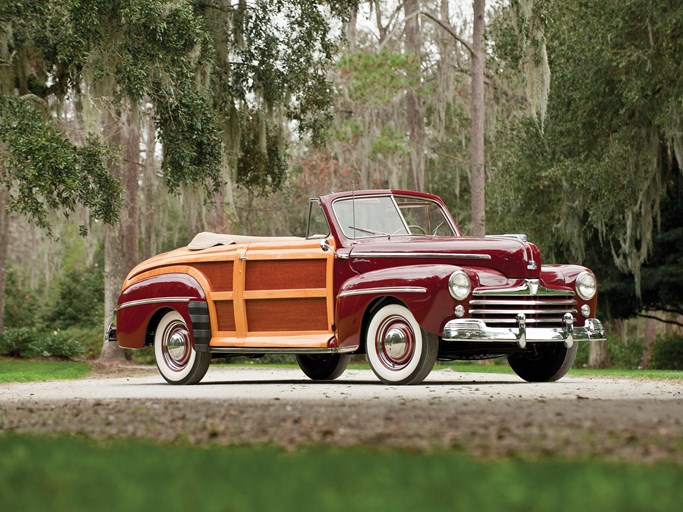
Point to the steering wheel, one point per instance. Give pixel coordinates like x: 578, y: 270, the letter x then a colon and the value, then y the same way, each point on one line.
x: 420, y: 228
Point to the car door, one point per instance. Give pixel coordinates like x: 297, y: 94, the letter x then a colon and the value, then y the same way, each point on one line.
x: 282, y: 297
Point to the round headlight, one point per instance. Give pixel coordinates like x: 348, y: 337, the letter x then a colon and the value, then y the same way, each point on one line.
x: 459, y: 285
x: 586, y: 285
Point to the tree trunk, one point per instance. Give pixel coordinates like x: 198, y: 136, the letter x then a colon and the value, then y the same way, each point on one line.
x: 150, y: 182
x: 477, y: 173
x: 121, y: 240
x: 598, y: 356
x: 416, y: 128
x: 351, y: 30
x: 648, y: 339
x: 6, y: 88
x: 4, y: 245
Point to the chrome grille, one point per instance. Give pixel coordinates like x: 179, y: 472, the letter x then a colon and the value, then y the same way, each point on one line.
x: 545, y: 308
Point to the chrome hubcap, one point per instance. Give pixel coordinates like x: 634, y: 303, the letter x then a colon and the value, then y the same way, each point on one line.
x: 176, y: 347
x: 395, y: 342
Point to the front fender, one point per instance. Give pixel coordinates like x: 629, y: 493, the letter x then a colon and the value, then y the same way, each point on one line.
x: 421, y: 288
x: 146, y: 299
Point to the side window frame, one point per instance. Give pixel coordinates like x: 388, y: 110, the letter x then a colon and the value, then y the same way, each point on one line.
x: 318, y: 236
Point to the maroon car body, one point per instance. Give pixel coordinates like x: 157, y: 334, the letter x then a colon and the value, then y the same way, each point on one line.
x: 381, y: 272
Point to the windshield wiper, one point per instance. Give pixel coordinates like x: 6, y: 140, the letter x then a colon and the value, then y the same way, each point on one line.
x: 369, y: 231
x: 437, y: 227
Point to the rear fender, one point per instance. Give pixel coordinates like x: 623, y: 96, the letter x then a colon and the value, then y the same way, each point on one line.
x: 142, y: 304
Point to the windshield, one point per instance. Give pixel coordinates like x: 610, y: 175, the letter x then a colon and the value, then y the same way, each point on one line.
x: 388, y: 216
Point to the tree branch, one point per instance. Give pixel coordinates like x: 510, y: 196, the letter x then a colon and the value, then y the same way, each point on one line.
x: 440, y: 23
x: 653, y: 317
x: 447, y: 29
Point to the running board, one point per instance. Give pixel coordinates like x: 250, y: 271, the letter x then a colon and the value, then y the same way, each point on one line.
x: 280, y: 350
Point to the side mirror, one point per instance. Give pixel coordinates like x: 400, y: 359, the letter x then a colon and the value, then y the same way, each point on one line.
x: 325, y: 246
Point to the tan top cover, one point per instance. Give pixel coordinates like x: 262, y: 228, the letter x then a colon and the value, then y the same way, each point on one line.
x: 206, y: 239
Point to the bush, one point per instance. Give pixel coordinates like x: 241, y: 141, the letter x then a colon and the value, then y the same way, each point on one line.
x: 88, y: 338
x: 623, y: 354
x: 21, y: 304
x: 55, y: 344
x: 79, y: 301
x: 667, y: 353
x: 16, y: 342
x: 24, y: 342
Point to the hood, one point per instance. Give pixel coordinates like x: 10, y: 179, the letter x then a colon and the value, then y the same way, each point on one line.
x: 510, y: 256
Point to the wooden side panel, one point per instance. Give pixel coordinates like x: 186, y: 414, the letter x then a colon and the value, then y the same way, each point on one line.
x: 218, y: 273
x: 285, y: 274
x: 287, y: 315
x: 225, y: 315
x: 279, y: 296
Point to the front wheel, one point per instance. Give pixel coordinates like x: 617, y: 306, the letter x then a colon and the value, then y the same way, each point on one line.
x: 175, y: 356
x: 323, y: 366
x: 544, y: 362
x: 398, y: 349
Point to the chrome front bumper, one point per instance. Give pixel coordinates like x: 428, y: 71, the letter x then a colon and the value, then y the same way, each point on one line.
x: 469, y: 329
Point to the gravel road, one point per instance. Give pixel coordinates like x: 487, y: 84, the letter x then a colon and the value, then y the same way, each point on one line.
x: 486, y: 414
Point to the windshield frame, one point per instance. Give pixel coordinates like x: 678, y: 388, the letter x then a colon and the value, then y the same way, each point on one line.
x: 354, y: 235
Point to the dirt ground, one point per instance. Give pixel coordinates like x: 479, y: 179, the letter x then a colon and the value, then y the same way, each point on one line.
x: 486, y: 415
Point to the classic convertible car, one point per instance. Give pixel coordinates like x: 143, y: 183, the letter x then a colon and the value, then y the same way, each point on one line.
x: 381, y: 272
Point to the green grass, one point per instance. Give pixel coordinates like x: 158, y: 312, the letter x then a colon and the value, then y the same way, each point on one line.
x: 21, y: 370
x: 629, y: 374
x: 74, y: 474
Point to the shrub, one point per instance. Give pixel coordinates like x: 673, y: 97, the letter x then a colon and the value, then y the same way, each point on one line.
x: 88, y: 338
x: 623, y: 354
x: 667, y: 353
x: 21, y: 303
x: 16, y: 342
x: 79, y: 301
x: 24, y: 342
x: 55, y: 344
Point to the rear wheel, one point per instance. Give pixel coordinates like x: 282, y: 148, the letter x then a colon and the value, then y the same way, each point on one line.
x: 323, y: 366
x: 544, y: 362
x: 398, y: 350
x: 177, y: 360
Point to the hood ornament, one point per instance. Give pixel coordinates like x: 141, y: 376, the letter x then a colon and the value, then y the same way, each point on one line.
x: 533, y: 286
x: 531, y: 265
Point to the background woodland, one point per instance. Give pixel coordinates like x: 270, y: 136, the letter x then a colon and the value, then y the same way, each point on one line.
x: 128, y: 126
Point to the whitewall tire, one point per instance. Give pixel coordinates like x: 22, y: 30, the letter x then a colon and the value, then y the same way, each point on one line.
x: 398, y: 349
x: 174, y: 352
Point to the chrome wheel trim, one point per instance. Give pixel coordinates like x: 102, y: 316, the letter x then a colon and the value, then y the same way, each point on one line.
x: 395, y: 342
x: 176, y: 345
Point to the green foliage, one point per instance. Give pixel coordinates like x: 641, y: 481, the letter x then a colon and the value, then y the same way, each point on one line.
x: 77, y: 467
x: 54, y: 344
x: 623, y: 354
x: 376, y: 78
x: 591, y: 187
x: 281, y: 52
x: 79, y: 299
x: 22, y: 306
x: 156, y: 51
x: 389, y: 141
x: 18, y: 370
x: 16, y: 342
x: 263, y: 165
x: 31, y: 342
x: 44, y: 172
x: 667, y: 353
x: 88, y: 339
